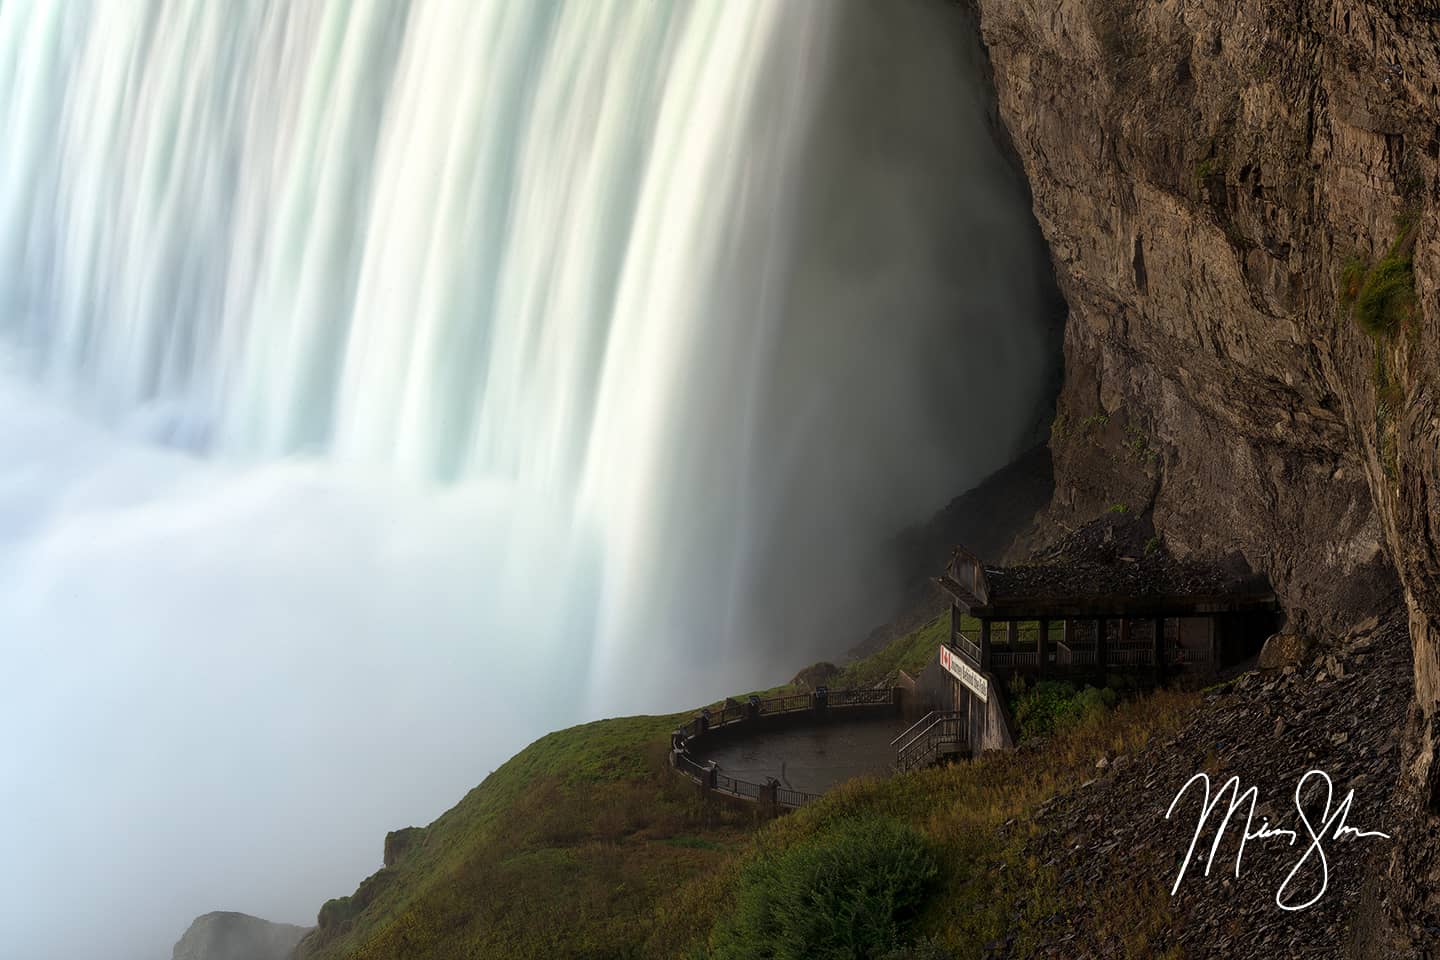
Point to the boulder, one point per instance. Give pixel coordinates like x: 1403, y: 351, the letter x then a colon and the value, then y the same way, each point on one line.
x: 399, y: 842
x: 1284, y: 650
x: 237, y: 936
x: 815, y: 675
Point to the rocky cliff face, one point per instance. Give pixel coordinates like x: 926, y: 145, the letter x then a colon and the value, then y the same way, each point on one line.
x: 1240, y: 201
x: 237, y: 936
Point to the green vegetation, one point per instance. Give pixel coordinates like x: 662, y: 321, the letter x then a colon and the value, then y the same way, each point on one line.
x: 1152, y: 546
x: 909, y: 653
x: 1117, y: 508
x: 1381, y: 296
x: 1137, y: 445
x: 1095, y: 420
x: 586, y: 844
x: 1352, y: 275
x: 1386, y: 297
x: 852, y: 891
x: 1053, y: 706
x: 1205, y: 169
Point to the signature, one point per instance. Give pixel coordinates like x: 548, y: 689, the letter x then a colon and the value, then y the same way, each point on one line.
x: 1332, y: 825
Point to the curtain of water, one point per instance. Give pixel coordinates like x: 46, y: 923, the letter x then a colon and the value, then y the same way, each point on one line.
x: 664, y: 315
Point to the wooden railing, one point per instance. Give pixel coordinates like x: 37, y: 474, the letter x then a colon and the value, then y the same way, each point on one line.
x: 968, y: 647
x: 1068, y: 656
x: 1001, y: 658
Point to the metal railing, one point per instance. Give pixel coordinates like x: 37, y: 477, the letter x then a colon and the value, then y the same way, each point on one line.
x: 944, y: 733
x: 861, y: 697
x: 791, y: 704
x: 910, y: 731
x: 729, y: 712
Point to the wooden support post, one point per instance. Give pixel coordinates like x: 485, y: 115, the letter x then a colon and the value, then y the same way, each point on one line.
x: 1214, y: 644
x: 985, y: 644
x: 1012, y: 634
x: 1159, y: 655
x: 1042, y: 647
x: 1102, y: 647
x: 954, y: 621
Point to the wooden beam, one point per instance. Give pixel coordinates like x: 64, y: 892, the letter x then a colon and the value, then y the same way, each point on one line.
x: 1158, y: 624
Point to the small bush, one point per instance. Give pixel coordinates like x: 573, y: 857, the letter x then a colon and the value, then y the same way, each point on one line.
x: 1053, y: 706
x: 850, y: 892
x: 1382, y: 296
x: 1386, y: 297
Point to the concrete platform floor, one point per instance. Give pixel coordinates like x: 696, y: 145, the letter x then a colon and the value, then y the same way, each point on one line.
x: 812, y: 758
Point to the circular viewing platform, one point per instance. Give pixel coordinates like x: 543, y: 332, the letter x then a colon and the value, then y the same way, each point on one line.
x: 785, y: 751
x: 809, y: 758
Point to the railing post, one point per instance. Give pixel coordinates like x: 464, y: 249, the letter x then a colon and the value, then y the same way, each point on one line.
x: 702, y: 723
x: 1042, y: 647
x: 1102, y: 647
x: 770, y: 797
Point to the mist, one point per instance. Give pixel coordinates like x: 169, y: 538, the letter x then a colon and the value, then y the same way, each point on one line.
x: 223, y: 686
x: 388, y: 384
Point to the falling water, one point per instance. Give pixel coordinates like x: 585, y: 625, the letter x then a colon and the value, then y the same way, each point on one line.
x: 648, y: 322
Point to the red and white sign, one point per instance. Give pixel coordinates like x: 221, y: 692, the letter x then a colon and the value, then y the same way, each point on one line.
x: 955, y: 665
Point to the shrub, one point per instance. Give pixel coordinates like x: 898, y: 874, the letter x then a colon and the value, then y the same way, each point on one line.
x: 1386, y: 297
x: 1352, y: 275
x: 1053, y: 706
x: 850, y: 892
x: 1382, y: 296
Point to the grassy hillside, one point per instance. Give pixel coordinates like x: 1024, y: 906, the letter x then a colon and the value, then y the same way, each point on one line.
x: 586, y: 844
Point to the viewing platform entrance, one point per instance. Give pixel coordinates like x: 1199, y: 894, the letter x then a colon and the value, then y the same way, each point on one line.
x: 1087, y: 619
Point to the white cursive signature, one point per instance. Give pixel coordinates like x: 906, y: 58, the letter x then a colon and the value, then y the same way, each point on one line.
x: 1332, y: 825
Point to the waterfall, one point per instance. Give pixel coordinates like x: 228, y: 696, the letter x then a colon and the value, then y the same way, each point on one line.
x: 671, y: 312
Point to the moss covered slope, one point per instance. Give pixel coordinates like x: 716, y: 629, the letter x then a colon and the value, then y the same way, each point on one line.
x: 586, y: 844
